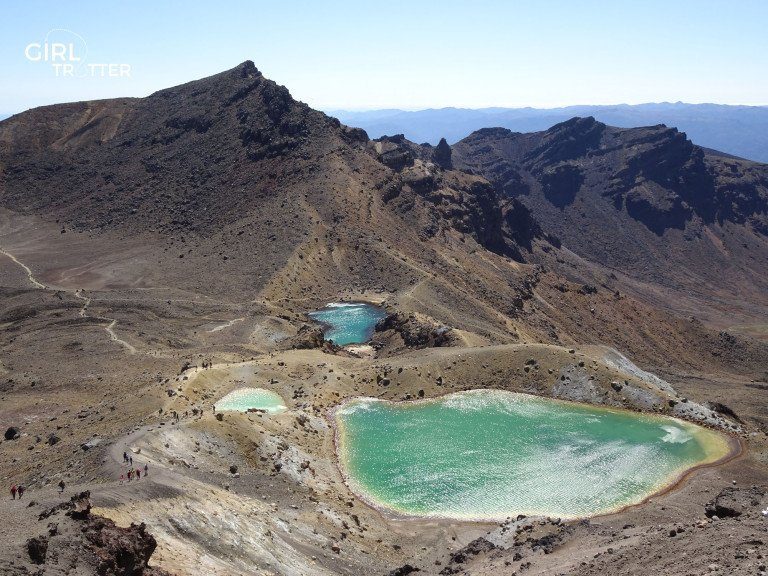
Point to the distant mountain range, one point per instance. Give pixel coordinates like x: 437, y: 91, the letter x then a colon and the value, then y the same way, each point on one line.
x: 738, y: 130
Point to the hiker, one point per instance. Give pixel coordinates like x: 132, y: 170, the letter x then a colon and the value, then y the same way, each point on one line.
x: 21, y: 491
x: 131, y: 460
x: 125, y: 456
x: 130, y: 474
x: 62, y: 486
x: 146, y: 470
x: 13, y: 492
x: 138, y: 473
x: 122, y: 479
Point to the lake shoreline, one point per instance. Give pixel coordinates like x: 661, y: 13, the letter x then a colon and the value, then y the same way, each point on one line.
x: 733, y: 447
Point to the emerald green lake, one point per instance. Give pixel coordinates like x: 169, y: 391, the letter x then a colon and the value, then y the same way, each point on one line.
x: 348, y: 323
x: 243, y: 399
x: 488, y: 454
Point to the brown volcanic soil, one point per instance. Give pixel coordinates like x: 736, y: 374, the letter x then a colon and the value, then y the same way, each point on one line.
x: 201, y: 223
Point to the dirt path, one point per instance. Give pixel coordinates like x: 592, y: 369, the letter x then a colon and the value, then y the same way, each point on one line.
x: 226, y: 325
x: 83, y: 313
x: 26, y: 268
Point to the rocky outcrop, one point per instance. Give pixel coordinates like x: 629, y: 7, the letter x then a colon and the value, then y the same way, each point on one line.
x: 91, y: 544
x: 308, y: 337
x: 732, y: 502
x: 563, y: 142
x: 120, y: 550
x: 468, y: 552
x: 442, y: 155
x: 469, y: 204
x: 414, y: 333
x: 393, y: 151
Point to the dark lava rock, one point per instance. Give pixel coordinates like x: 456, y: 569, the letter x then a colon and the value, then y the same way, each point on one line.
x: 415, y: 333
x: 53, y: 439
x: 95, y: 541
x: 233, y: 469
x: 653, y: 176
x: 732, y: 502
x: 12, y: 433
x: 561, y: 184
x: 723, y: 409
x: 404, y: 570
x: 308, y: 337
x: 442, y: 155
x: 78, y: 507
x: 120, y: 550
x: 393, y: 151
x: 37, y: 548
x: 474, y: 548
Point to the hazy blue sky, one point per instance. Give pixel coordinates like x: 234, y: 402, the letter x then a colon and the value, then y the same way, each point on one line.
x: 407, y: 54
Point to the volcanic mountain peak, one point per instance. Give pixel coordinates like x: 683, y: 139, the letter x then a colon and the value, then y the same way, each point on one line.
x: 656, y: 173
x: 232, y: 162
x: 646, y: 201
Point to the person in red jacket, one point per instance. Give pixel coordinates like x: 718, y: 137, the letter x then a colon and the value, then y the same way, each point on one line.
x: 13, y: 492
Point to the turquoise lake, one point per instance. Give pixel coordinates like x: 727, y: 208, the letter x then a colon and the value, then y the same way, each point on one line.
x: 489, y: 455
x: 348, y: 323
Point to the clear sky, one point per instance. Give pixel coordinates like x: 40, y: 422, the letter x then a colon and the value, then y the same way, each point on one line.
x: 404, y: 54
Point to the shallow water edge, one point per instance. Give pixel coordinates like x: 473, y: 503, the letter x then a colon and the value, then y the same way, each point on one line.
x: 718, y: 448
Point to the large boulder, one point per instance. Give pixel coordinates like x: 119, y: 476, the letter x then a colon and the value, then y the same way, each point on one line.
x: 12, y: 433
x: 732, y: 502
x: 37, y: 548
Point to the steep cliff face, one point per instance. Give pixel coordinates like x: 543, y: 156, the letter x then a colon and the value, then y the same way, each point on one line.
x: 645, y: 201
x: 467, y: 203
x: 659, y: 176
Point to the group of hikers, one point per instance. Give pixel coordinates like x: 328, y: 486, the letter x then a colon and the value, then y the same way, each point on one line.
x: 176, y: 417
x: 20, y: 489
x: 127, y: 459
x: 17, y: 490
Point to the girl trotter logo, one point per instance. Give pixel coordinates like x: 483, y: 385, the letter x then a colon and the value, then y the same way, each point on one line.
x: 66, y: 52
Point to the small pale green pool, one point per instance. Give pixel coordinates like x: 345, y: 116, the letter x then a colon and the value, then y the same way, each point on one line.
x: 489, y: 455
x: 243, y: 399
